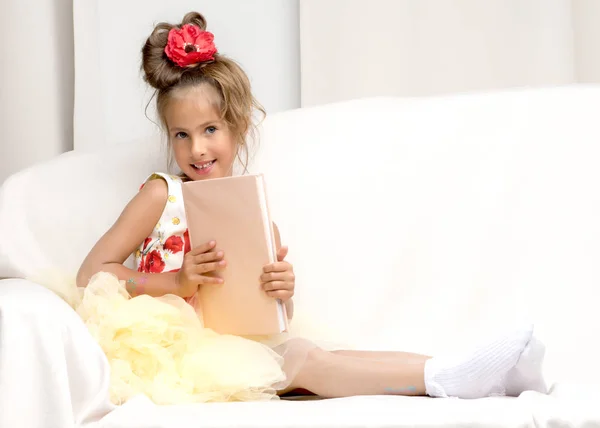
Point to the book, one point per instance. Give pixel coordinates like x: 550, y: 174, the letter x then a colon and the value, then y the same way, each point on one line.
x: 234, y: 212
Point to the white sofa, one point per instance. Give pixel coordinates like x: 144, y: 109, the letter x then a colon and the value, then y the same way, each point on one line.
x: 413, y: 224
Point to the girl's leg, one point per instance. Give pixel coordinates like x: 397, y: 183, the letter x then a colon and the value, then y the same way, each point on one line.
x: 486, y: 370
x: 333, y: 374
x: 406, y: 357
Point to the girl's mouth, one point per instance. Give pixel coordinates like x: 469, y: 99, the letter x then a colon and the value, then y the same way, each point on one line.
x: 203, y: 168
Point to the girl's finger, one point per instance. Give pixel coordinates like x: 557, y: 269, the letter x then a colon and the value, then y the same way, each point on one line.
x: 277, y: 267
x: 278, y: 276
x: 283, y: 251
x: 272, y: 276
x: 213, y: 256
x: 202, y: 248
x: 203, y: 279
x: 280, y: 294
x: 209, y: 267
x: 277, y: 285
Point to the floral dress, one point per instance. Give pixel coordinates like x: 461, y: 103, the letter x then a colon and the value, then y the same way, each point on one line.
x: 169, y: 241
x: 158, y: 346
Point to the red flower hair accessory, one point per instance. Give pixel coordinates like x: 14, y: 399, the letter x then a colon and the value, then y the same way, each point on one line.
x: 190, y: 45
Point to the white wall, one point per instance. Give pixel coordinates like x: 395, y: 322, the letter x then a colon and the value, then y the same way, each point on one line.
x: 586, y: 15
x: 358, y: 48
x: 110, y: 95
x: 36, y: 73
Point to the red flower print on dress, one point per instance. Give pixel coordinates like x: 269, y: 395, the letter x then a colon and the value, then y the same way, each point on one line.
x: 186, y: 237
x: 153, y: 262
x: 143, y: 255
x: 174, y: 244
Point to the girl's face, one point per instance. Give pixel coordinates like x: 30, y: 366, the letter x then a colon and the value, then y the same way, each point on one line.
x: 202, y: 143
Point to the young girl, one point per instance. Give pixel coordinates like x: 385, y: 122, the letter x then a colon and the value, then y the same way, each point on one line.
x: 151, y: 334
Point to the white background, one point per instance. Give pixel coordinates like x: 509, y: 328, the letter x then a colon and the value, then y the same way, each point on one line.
x: 70, y: 78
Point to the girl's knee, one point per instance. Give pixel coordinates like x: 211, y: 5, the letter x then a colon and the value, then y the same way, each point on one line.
x: 318, y: 355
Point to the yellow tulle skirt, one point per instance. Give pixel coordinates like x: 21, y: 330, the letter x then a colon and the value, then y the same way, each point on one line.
x: 158, y: 347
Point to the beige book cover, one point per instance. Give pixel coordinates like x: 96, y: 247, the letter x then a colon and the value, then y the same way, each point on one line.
x: 234, y: 212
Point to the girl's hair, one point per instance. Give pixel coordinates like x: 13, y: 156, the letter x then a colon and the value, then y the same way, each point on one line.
x: 236, y: 103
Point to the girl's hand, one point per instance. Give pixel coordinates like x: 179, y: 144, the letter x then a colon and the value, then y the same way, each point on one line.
x: 196, y: 263
x: 278, y: 279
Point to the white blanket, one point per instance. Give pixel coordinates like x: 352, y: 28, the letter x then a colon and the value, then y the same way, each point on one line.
x: 53, y: 375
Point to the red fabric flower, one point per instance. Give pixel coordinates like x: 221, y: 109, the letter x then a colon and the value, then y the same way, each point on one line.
x: 154, y: 263
x: 146, y: 242
x: 190, y: 45
x: 173, y: 244
x: 186, y: 237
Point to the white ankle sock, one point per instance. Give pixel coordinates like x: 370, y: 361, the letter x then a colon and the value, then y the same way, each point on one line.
x: 527, y: 374
x: 478, y: 373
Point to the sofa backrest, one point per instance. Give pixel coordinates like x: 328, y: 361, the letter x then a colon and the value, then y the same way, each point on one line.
x: 52, y: 213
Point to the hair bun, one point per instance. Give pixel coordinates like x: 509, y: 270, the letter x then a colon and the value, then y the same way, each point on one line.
x: 194, y: 18
x: 159, y: 71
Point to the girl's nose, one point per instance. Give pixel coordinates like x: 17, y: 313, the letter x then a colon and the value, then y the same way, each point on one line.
x: 198, y: 148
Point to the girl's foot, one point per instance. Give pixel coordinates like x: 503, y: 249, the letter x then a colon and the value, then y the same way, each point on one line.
x: 490, y: 369
x: 527, y: 375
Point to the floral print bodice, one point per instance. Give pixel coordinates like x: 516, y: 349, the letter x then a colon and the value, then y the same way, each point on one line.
x: 169, y: 241
x: 164, y: 249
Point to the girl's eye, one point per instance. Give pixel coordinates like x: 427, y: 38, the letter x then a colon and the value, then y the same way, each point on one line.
x: 181, y: 135
x: 211, y: 130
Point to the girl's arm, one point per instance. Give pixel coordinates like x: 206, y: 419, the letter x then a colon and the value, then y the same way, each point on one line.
x: 135, y: 224
x: 289, y: 304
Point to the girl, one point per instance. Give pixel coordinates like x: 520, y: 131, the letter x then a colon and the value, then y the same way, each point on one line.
x: 205, y: 106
